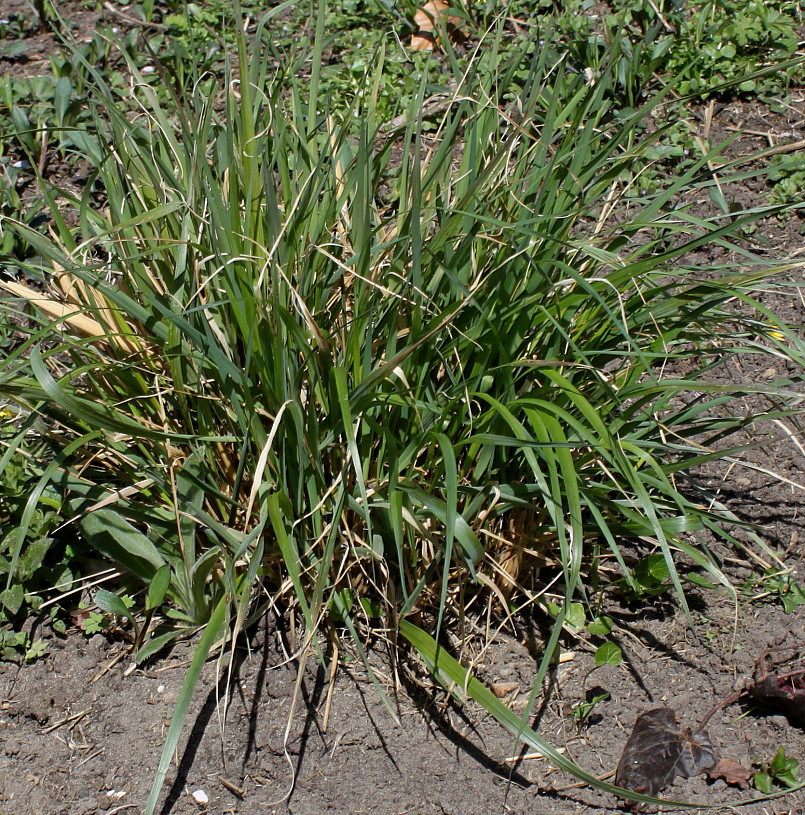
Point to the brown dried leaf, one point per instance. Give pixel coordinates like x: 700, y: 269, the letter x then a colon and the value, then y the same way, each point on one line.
x: 426, y: 21
x: 659, y: 750
x: 420, y: 42
x: 733, y: 772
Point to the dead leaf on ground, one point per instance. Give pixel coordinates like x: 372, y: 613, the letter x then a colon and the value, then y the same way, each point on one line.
x: 659, y: 750
x: 783, y: 690
x: 733, y: 772
x: 427, y: 21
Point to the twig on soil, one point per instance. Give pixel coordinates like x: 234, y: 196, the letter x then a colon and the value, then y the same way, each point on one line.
x: 765, y: 134
x: 235, y: 790
x: 770, y: 473
x: 791, y: 435
x: 708, y: 118
x: 172, y: 667
x: 108, y: 574
x: 89, y: 758
x: 69, y: 720
x: 108, y: 667
x: 772, y: 151
x: 733, y: 697
x: 330, y: 686
x: 791, y: 546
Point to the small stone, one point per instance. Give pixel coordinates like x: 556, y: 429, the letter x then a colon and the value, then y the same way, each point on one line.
x: 12, y: 747
x: 501, y: 689
x: 200, y: 797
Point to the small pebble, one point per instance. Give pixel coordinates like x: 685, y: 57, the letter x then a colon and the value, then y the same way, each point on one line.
x: 201, y: 797
x: 161, y: 689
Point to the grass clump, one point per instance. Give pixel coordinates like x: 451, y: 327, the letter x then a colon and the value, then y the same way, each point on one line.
x: 381, y: 374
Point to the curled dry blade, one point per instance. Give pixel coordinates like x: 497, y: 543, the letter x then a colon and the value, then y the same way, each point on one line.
x: 660, y: 749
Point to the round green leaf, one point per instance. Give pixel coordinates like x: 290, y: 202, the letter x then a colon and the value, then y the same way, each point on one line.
x: 608, y: 654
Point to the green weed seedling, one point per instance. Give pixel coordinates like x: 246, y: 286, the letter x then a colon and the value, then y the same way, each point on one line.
x: 17, y: 645
x: 608, y: 653
x: 648, y: 578
x: 787, y: 174
x: 781, y: 771
x: 94, y: 622
x: 109, y: 614
x: 120, y: 607
x: 582, y: 712
x: 30, y: 560
x: 776, y: 585
x: 576, y: 623
x: 702, y: 44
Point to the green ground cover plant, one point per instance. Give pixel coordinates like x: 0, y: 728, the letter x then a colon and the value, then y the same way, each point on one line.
x: 780, y: 771
x: 701, y: 45
x: 31, y: 560
x: 378, y: 375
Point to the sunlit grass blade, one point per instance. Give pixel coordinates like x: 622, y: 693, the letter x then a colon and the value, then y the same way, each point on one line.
x: 212, y: 632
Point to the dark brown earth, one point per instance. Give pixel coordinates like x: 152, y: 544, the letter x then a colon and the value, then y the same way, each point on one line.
x: 78, y: 740
x: 81, y: 730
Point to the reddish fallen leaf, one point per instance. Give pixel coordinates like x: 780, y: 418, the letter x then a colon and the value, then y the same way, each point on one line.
x: 784, y: 690
x: 659, y: 750
x: 733, y: 772
x: 427, y: 21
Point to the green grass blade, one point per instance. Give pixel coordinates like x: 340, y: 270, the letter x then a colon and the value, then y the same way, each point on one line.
x: 453, y: 675
x: 212, y: 633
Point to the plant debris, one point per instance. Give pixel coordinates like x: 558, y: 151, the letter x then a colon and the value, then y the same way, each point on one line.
x: 428, y: 19
x: 732, y: 771
x: 784, y: 690
x: 659, y: 750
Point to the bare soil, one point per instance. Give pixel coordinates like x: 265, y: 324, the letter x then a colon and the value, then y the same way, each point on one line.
x: 81, y: 730
x: 80, y: 734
